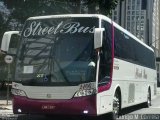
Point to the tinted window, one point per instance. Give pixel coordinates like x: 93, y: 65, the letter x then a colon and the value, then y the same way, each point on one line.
x: 132, y: 51
x: 106, y: 54
x: 123, y: 46
x: 59, y: 50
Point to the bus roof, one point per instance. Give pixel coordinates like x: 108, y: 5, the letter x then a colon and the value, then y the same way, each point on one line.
x: 66, y: 16
x: 93, y: 15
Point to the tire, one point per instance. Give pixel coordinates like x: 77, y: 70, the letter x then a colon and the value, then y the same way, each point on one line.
x: 116, y: 106
x: 148, y: 103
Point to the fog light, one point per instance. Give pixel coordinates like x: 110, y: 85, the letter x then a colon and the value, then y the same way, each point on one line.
x: 19, y: 110
x: 85, y: 111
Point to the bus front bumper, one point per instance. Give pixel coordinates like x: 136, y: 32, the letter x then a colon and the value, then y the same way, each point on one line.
x: 74, y: 106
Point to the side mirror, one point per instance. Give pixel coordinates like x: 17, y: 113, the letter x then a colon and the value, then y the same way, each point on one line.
x: 7, y: 39
x: 98, y: 37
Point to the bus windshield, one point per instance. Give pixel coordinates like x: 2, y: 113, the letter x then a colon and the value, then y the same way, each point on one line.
x: 57, y: 51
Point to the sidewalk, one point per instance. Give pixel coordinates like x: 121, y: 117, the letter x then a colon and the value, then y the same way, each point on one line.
x: 158, y: 91
x: 4, y: 107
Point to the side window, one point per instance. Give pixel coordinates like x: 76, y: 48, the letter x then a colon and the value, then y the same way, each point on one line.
x: 123, y: 46
x: 117, y: 45
x: 106, y: 53
x: 144, y: 56
x: 128, y: 49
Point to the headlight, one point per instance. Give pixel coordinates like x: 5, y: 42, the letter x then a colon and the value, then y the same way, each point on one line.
x: 81, y: 93
x: 18, y: 92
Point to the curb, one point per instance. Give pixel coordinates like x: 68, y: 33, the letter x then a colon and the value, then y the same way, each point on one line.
x: 4, y: 106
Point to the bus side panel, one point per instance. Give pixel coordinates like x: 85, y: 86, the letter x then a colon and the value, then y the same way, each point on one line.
x: 104, y: 102
x: 134, y: 81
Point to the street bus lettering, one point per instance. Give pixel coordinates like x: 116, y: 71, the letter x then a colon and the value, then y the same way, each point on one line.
x: 36, y: 28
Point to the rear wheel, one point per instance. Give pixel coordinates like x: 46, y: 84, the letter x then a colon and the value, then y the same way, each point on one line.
x: 148, y: 103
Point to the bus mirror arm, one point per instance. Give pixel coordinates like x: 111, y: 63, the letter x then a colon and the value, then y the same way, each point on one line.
x: 98, y: 37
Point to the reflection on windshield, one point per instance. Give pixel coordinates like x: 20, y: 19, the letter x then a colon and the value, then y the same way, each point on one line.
x: 65, y: 61
x: 57, y: 51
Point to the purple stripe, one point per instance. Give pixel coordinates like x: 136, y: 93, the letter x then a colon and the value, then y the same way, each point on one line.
x: 74, y: 106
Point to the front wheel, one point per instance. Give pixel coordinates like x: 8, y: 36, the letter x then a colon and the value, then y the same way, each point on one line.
x: 116, y: 106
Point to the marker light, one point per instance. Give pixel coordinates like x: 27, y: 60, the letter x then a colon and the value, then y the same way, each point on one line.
x: 85, y: 111
x: 88, y: 92
x: 19, y: 110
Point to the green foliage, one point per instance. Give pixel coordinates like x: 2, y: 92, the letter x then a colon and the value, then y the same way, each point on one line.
x: 20, y: 10
x: 107, y: 5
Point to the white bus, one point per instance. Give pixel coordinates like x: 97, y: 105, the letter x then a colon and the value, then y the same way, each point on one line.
x: 80, y: 65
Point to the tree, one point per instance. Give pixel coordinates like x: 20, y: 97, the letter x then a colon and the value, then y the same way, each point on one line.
x: 95, y: 6
x: 20, y: 10
x: 107, y: 5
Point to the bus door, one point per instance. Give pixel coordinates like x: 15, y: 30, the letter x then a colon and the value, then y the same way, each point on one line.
x: 105, y: 65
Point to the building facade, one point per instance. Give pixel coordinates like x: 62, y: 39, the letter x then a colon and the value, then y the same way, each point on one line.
x: 156, y: 27
x: 140, y: 17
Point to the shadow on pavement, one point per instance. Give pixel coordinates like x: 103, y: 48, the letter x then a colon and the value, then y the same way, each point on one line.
x: 132, y: 109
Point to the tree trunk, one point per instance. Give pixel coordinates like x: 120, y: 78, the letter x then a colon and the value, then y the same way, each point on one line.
x: 78, y: 6
x: 92, y: 8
